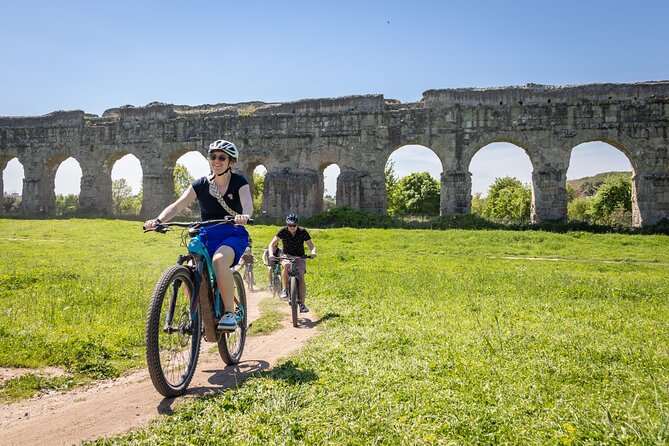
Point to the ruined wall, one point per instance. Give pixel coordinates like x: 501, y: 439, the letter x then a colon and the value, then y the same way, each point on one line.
x: 295, y: 141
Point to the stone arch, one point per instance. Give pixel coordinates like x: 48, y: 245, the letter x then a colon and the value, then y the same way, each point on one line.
x: 456, y: 183
x: 473, y: 148
x: 194, y: 161
x: 509, y: 157
x: 67, y: 171
x: 248, y: 170
x: 258, y: 196
x: 623, y: 147
x: 132, y: 161
x: 620, y: 148
x: 325, y: 173
x: 67, y: 183
x: 47, y: 183
x: 7, y: 162
x: 421, y: 156
x: 109, y: 167
x: 501, y: 169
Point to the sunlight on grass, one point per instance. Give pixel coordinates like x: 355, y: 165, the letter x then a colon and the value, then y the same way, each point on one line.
x: 430, y: 337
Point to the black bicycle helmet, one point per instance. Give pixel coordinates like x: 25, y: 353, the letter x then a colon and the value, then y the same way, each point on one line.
x: 292, y: 219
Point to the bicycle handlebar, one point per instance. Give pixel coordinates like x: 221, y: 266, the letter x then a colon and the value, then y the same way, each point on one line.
x: 163, y: 227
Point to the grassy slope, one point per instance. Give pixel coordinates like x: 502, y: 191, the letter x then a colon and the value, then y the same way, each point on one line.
x: 432, y: 336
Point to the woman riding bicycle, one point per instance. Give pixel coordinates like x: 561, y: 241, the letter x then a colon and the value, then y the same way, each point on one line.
x: 220, y: 194
x: 293, y: 238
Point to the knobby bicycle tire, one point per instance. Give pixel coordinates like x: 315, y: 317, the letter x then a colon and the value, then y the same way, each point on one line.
x: 231, y: 345
x: 294, y: 299
x: 251, y: 280
x: 172, y: 356
x: 271, y: 282
x: 277, y: 284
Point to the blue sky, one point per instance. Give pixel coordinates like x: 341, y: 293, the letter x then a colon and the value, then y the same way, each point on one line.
x: 93, y: 56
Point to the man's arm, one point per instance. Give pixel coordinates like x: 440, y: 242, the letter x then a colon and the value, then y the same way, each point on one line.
x: 311, y: 246
x: 272, y: 245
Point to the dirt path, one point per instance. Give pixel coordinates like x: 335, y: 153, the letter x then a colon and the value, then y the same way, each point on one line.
x: 117, y: 406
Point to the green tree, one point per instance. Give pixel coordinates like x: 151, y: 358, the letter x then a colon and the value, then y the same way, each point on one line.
x: 416, y: 194
x: 11, y: 203
x: 612, y: 203
x: 258, y: 187
x: 580, y: 208
x: 67, y: 204
x: 123, y: 201
x: 477, y: 204
x: 393, y: 200
x: 508, y: 200
x: 329, y: 202
x: 182, y: 179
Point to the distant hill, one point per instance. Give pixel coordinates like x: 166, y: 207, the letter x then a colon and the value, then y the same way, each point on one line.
x: 587, y: 186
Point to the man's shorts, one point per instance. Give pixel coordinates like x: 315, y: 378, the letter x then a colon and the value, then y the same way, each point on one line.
x: 301, y: 266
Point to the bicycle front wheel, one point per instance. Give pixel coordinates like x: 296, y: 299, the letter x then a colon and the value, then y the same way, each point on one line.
x: 276, y: 289
x: 231, y: 345
x: 251, y: 280
x: 294, y: 299
x: 271, y: 282
x: 172, y: 333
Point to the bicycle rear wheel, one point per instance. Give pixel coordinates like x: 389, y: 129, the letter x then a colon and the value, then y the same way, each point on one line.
x: 172, y: 349
x: 294, y: 291
x: 231, y: 345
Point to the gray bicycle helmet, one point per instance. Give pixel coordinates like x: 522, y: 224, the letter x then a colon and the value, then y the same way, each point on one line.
x: 292, y: 219
x: 226, y: 146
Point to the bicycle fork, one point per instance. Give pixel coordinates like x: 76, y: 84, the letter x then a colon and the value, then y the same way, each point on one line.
x: 168, y: 328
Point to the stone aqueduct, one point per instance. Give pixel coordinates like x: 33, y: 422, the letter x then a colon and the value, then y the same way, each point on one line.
x: 295, y: 141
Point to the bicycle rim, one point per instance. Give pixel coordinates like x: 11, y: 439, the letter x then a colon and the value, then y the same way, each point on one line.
x: 172, y: 350
x: 277, y: 285
x: 294, y: 299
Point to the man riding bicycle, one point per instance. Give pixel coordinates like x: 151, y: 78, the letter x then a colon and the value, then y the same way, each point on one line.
x: 293, y: 238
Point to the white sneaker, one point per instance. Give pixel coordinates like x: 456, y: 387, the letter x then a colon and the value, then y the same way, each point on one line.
x: 227, y: 322
x: 283, y: 295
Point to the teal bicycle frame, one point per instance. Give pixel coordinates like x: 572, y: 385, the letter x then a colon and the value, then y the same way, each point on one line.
x: 198, y: 251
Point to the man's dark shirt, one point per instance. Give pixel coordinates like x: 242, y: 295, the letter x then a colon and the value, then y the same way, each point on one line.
x: 293, y: 245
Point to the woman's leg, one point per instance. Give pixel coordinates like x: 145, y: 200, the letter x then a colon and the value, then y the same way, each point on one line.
x: 222, y: 259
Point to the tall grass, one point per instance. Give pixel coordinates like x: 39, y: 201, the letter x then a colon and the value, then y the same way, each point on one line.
x: 74, y: 294
x: 431, y: 337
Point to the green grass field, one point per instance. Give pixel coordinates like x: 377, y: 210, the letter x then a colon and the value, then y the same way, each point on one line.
x: 430, y: 337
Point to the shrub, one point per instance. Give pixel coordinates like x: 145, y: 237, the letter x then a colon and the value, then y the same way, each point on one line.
x: 345, y: 216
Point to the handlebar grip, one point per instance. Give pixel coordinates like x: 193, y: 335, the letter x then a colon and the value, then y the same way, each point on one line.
x: 159, y: 228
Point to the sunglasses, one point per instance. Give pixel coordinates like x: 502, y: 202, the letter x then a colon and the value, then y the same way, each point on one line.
x: 292, y: 226
x: 221, y: 157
